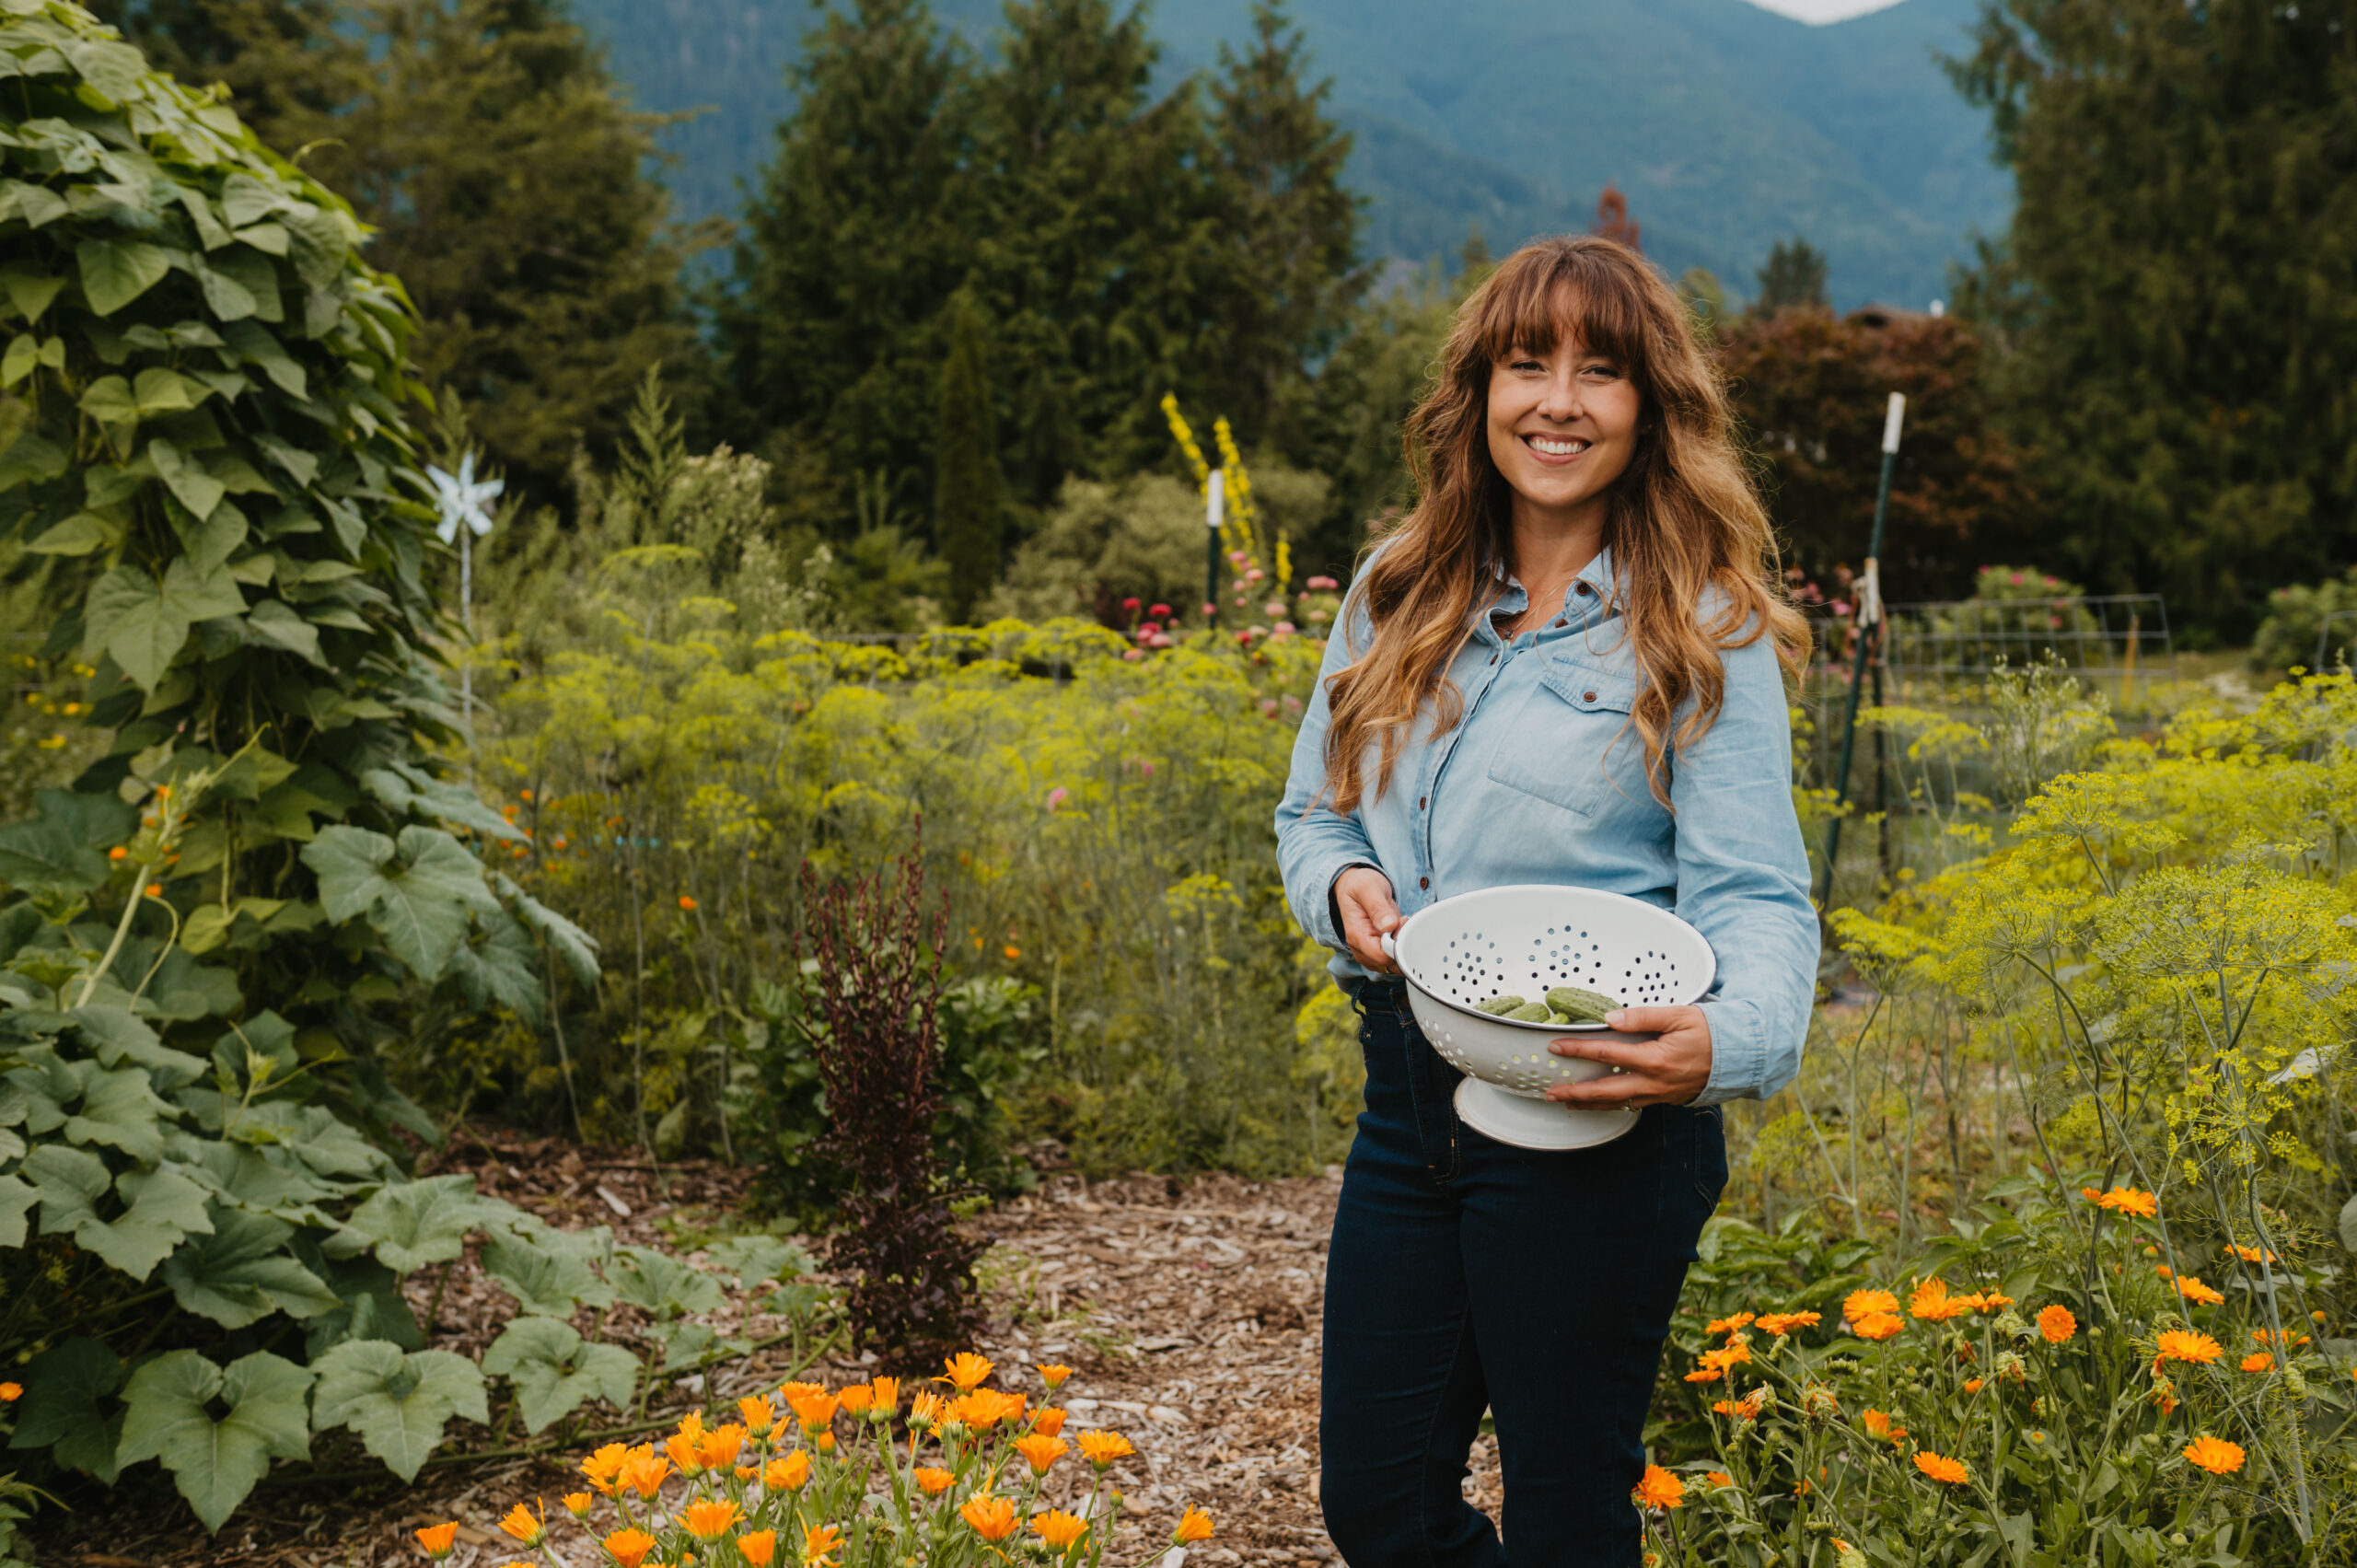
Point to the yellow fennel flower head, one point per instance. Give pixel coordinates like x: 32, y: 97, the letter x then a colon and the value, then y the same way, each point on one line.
x: 758, y: 1548
x: 964, y: 1369
x: 2215, y: 1455
x: 2056, y: 1325
x: 1864, y: 1303
x: 1194, y: 1525
x: 708, y: 1521
x: 1940, y: 1469
x: 934, y: 1480
x: 1658, y: 1489
x: 1058, y: 1528
x: 521, y: 1524
x: 992, y: 1518
x: 1101, y: 1448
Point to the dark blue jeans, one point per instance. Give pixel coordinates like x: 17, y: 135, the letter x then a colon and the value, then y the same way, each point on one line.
x: 1466, y: 1276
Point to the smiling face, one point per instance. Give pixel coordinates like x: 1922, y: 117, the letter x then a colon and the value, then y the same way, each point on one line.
x: 1562, y: 427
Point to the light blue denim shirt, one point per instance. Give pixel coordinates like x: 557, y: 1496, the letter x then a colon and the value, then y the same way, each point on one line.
x: 1543, y: 780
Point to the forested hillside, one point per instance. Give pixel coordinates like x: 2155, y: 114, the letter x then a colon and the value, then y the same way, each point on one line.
x: 1728, y: 127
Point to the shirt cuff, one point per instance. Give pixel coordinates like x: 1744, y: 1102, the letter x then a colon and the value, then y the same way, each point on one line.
x: 1332, y: 935
x: 1738, y: 1051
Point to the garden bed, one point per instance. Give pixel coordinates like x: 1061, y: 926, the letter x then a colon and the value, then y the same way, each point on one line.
x: 1189, y: 1311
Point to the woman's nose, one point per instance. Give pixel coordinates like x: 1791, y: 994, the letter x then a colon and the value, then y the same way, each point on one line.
x: 1563, y: 399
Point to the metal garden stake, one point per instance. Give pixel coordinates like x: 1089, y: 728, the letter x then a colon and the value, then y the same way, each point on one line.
x: 1214, y: 514
x: 1869, y: 636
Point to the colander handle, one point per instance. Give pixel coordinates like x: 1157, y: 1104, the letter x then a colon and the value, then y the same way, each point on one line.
x: 1390, y: 949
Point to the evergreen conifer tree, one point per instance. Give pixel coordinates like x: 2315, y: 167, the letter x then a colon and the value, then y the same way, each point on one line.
x: 967, y: 519
x: 1795, y: 275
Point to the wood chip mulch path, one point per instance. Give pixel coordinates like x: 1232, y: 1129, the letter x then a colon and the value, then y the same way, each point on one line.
x: 1189, y: 1311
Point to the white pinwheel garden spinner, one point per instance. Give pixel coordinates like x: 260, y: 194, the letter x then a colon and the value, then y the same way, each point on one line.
x: 461, y: 498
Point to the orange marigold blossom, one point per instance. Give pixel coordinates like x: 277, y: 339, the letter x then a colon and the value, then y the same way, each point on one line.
x: 758, y: 1548
x: 1718, y: 1478
x: 2215, y: 1455
x: 818, y: 1546
x: 578, y: 1504
x: 933, y: 1480
x: 790, y: 1392
x: 437, y: 1538
x: 993, y: 1517
x: 708, y: 1521
x: 645, y: 1471
x: 520, y: 1522
x: 1941, y: 1469
x: 2056, y: 1324
x: 759, y: 1413
x: 1972, y: 1385
x: 1878, y: 1325
x: 813, y: 1411
x: 719, y: 1447
x: 603, y: 1466
x: 1058, y: 1528
x: 686, y: 1449
x: 1735, y: 1353
x: 964, y: 1369
x: 855, y: 1399
x: 2177, y: 1344
x: 747, y: 1473
x: 1877, y: 1424
x: 1783, y: 1323
x: 1049, y: 1422
x: 687, y: 904
x: 1101, y: 1448
x: 11, y: 1392
x: 925, y: 1409
x: 2192, y: 1289
x: 1053, y: 1376
x: 789, y: 1473
x: 628, y: 1547
x: 887, y: 1394
x: 1040, y: 1451
x: 2250, y: 1254
x: 1704, y: 1375
x: 2130, y: 1201
x: 2259, y: 1361
x: 1658, y: 1488
x: 1727, y: 1325
x: 1933, y: 1304
x: 1866, y: 1303
x: 1194, y: 1525
x: 2270, y: 1337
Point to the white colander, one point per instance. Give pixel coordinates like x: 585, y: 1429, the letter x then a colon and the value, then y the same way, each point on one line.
x: 1527, y: 940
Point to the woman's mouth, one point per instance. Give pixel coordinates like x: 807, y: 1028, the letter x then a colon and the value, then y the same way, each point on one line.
x: 1555, y: 448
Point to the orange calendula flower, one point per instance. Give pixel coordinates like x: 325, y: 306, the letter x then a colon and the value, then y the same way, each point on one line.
x: 966, y: 1369
x: 747, y: 1473
x: 933, y: 1480
x: 1972, y: 1385
x: 1933, y: 1304
x: 818, y: 1546
x: 1877, y: 1424
x: 2270, y: 1337
x: 1704, y: 1375
x: 1718, y: 1478
x: 1049, y: 1421
x: 790, y: 1392
x: 925, y: 1409
x: 1040, y: 1451
x: 645, y: 1471
x: 1783, y: 1323
x: 687, y: 904
x: 1053, y: 1376
x: 708, y: 1521
x: 2177, y: 1344
x: 1101, y: 1448
x: 11, y: 1392
x: 1878, y: 1325
x: 1728, y: 1324
x: 888, y: 1395
x: 1940, y: 1469
x: 1867, y: 1303
x: 2056, y: 1324
x: 758, y: 1548
x: 787, y: 1474
x: 2250, y: 1254
x: 437, y: 1538
x: 1058, y: 1528
x: 578, y: 1504
x: 2192, y: 1289
x: 629, y: 1548
x: 603, y: 1466
x: 2215, y: 1455
x: 1658, y: 1489
x: 1194, y: 1525
x: 118, y: 852
x: 686, y: 1449
x: 2092, y: 1194
x: 1744, y: 1409
x: 855, y: 1399
x: 813, y: 1411
x: 1735, y: 1353
x: 718, y: 1448
x: 759, y: 1413
x: 2130, y: 1202
x: 521, y: 1524
x: 993, y: 1517
x: 2259, y: 1361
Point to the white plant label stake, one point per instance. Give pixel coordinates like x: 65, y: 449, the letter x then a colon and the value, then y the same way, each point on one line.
x: 461, y: 502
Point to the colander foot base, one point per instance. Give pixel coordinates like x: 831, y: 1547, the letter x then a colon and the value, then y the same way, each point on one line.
x: 1535, y: 1123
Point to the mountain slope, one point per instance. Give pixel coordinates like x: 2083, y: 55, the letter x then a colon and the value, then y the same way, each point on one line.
x: 1727, y: 126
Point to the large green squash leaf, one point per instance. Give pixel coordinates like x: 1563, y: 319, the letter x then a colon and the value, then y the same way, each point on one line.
x: 62, y: 849
x: 215, y: 1463
x: 662, y: 1287
x: 62, y: 1410
x: 418, y: 893
x: 242, y: 1273
x: 544, y: 1275
x: 397, y: 1402
x: 416, y: 1222
x: 555, y: 1373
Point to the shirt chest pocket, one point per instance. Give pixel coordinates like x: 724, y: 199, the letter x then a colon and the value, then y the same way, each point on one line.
x: 1570, y: 741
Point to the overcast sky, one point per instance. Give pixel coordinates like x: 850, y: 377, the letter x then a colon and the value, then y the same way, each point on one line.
x: 1824, y: 10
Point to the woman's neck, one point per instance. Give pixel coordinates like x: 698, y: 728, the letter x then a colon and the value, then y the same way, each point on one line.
x: 1549, y: 553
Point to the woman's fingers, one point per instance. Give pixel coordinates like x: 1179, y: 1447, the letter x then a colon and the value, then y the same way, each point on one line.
x: 1368, y: 911
x: 1669, y: 1068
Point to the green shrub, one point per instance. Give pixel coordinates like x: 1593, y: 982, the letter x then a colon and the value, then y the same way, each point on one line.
x: 2307, y: 627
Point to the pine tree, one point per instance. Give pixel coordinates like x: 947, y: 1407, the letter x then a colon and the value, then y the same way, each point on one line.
x: 967, y: 523
x: 864, y: 226
x: 2180, y: 286
x: 486, y: 143
x: 1794, y: 277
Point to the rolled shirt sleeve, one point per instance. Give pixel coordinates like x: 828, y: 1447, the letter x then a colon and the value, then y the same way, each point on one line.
x: 1315, y: 844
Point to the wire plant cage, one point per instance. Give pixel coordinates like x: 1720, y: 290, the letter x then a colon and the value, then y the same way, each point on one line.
x: 1944, y: 653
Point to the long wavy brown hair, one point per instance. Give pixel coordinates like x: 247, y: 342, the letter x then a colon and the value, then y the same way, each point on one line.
x: 1684, y: 518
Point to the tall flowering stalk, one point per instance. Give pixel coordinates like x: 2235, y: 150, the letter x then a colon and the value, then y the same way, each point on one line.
x: 956, y: 1474
x: 1240, y: 527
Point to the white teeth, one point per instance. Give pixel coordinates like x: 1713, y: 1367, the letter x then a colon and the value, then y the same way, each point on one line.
x: 1557, y: 448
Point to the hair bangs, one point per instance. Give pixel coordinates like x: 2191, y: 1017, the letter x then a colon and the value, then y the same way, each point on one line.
x: 1542, y: 294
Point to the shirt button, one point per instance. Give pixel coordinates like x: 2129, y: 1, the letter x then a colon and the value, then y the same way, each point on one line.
x: 1587, y: 696
x: 1494, y: 658
x: 1424, y: 881
x: 1420, y: 801
x: 1562, y: 624
x: 1581, y: 589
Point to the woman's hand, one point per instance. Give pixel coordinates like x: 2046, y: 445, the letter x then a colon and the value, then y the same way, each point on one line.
x: 1668, y: 1070
x: 1363, y: 895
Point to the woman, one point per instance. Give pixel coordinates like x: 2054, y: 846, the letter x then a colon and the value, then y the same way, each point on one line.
x: 1562, y: 667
